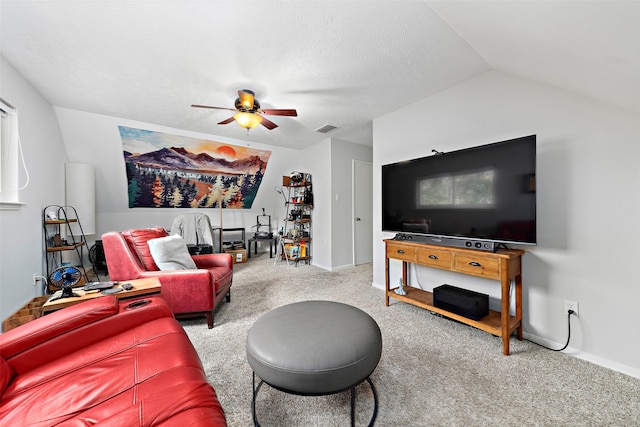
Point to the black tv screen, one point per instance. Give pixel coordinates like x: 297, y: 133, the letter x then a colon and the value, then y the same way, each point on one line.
x: 486, y: 192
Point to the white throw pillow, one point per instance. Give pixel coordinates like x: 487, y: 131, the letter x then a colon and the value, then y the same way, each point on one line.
x: 171, y: 253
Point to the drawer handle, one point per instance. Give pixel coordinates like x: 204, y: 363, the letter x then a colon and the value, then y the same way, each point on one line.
x: 400, y: 251
x: 475, y: 264
x: 433, y: 257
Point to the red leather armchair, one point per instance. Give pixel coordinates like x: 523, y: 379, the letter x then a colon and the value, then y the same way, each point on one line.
x: 187, y: 292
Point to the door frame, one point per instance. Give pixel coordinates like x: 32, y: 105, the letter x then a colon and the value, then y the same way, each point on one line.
x: 354, y: 237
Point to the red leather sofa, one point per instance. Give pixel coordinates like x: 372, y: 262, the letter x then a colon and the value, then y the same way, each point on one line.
x: 104, y: 362
x: 188, y: 292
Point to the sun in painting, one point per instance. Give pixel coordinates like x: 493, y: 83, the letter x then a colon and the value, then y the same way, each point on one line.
x: 226, y: 151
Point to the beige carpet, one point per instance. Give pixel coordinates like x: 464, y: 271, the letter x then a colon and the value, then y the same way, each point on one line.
x: 433, y: 371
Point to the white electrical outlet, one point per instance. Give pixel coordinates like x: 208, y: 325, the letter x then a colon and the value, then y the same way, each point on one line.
x: 35, y: 279
x: 571, y: 305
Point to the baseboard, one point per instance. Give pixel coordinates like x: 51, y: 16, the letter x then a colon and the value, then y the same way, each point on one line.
x: 572, y: 351
x: 333, y: 269
x: 588, y: 357
x: 342, y: 267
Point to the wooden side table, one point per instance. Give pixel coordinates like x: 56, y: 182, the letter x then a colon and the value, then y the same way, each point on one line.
x: 28, y: 312
x: 147, y: 286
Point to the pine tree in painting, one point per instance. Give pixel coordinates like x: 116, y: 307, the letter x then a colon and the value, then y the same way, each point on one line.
x: 176, y: 198
x: 158, y: 192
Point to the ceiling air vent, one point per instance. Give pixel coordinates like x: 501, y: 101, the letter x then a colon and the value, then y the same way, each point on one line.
x: 326, y: 128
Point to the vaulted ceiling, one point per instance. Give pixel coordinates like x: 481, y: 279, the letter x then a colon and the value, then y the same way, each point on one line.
x: 338, y: 62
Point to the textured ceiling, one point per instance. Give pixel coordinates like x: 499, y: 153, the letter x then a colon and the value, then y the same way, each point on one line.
x: 344, y: 63
x: 589, y: 47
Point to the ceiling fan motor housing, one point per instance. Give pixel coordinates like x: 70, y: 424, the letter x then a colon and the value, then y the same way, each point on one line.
x: 241, y: 107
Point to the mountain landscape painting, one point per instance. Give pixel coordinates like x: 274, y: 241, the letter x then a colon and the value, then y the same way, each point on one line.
x: 172, y: 171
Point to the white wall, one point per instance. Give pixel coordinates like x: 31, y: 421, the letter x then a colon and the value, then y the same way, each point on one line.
x: 340, y: 198
x: 21, y: 247
x: 329, y: 162
x: 94, y: 139
x: 588, y: 208
x: 316, y: 160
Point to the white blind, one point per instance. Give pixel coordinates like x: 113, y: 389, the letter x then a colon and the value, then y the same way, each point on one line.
x: 10, y: 152
x: 6, y: 108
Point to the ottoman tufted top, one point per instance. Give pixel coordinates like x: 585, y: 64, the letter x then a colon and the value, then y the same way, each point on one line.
x: 314, y: 347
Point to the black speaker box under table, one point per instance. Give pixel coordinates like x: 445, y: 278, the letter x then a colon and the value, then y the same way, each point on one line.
x: 470, y: 304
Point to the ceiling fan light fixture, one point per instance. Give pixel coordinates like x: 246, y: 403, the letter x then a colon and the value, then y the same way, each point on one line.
x: 247, y: 120
x: 248, y: 112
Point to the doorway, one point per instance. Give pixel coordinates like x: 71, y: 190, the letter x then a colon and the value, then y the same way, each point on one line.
x: 362, y: 209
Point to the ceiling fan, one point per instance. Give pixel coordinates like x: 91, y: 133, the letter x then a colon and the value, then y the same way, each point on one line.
x: 248, y: 111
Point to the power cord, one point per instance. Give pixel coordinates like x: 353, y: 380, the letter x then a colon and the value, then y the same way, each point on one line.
x: 415, y: 274
x: 569, y: 313
x: 45, y: 283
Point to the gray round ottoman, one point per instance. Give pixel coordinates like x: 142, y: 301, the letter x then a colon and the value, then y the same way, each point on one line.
x: 314, y: 348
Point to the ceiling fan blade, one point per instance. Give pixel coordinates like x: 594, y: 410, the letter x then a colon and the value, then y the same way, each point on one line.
x: 247, y: 99
x: 268, y: 123
x: 226, y: 122
x: 214, y: 108
x: 280, y: 112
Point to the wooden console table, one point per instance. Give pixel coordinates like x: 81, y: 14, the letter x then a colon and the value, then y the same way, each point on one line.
x: 504, y: 265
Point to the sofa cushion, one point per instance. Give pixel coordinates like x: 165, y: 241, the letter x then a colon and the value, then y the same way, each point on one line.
x: 171, y: 253
x: 137, y: 240
x: 6, y: 375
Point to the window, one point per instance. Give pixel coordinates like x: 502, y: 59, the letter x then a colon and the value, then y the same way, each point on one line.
x: 473, y: 190
x: 10, y: 152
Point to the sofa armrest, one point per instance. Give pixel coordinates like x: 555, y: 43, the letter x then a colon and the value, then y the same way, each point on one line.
x: 213, y: 260
x: 57, y: 323
x: 66, y: 331
x: 180, y: 288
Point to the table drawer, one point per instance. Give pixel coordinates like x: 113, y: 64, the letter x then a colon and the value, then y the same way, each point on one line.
x: 400, y: 251
x: 435, y: 258
x: 477, y: 266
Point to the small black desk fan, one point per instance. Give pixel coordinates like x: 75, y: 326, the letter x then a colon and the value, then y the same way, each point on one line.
x: 65, y: 278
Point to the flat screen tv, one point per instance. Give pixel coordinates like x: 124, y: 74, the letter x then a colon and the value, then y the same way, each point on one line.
x: 486, y: 192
